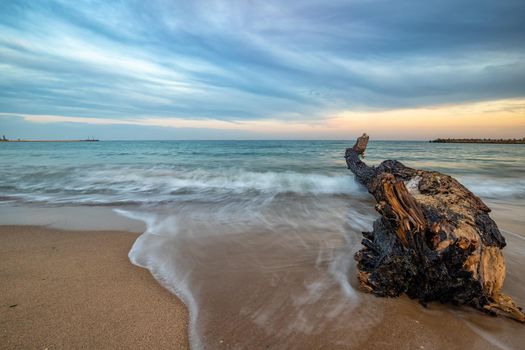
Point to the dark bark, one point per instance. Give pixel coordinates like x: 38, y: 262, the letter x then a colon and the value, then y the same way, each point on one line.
x: 435, y: 240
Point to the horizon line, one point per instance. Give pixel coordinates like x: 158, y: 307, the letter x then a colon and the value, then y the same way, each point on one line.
x: 255, y: 140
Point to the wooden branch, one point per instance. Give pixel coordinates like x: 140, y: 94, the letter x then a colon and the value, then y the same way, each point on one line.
x: 434, y: 240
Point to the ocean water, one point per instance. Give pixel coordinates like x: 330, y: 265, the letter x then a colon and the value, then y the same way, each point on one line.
x: 153, y: 172
x: 257, y: 237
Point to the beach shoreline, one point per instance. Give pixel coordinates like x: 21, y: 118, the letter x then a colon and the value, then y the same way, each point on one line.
x: 77, y: 289
x: 257, y: 239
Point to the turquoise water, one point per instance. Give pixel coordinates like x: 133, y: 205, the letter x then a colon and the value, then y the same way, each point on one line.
x: 152, y: 172
x: 257, y: 237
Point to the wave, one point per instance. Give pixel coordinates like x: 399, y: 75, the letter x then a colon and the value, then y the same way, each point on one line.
x: 492, y: 188
x: 139, y: 185
x: 234, y: 181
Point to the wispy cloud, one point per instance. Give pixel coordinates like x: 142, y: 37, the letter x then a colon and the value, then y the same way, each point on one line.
x: 504, y: 118
x: 217, y: 62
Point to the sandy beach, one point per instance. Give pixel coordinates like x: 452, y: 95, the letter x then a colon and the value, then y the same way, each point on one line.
x: 64, y: 289
x: 262, y: 257
x: 75, y: 289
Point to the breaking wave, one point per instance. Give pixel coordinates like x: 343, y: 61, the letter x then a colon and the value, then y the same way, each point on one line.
x: 500, y: 188
x: 114, y: 186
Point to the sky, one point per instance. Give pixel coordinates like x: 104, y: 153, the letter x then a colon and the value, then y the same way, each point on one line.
x: 308, y: 69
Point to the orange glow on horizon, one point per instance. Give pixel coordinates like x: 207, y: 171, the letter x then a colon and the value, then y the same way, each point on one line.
x: 491, y: 119
x: 495, y: 119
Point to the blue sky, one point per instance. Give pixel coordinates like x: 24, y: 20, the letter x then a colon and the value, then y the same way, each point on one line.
x: 259, y: 69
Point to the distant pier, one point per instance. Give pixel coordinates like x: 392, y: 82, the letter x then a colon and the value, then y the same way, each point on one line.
x: 494, y: 141
x: 4, y: 139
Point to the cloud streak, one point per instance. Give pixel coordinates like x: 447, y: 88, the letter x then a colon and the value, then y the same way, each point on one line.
x: 229, y: 61
x: 503, y: 118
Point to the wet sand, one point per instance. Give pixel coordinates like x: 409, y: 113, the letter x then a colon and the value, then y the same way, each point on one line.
x: 78, y: 290
x: 271, y: 292
x: 258, y: 290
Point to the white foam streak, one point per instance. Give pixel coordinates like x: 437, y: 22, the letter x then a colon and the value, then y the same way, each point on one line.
x: 499, y: 188
x: 234, y: 181
x: 110, y: 185
x: 154, y: 255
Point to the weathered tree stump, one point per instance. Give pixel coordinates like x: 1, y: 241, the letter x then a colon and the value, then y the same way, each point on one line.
x: 434, y: 241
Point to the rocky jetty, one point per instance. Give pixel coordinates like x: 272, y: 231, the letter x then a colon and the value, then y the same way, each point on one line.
x: 502, y: 141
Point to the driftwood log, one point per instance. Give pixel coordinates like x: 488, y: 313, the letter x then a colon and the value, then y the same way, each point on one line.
x: 434, y: 240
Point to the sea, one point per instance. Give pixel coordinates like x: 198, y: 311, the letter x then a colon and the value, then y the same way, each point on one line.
x: 257, y: 237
